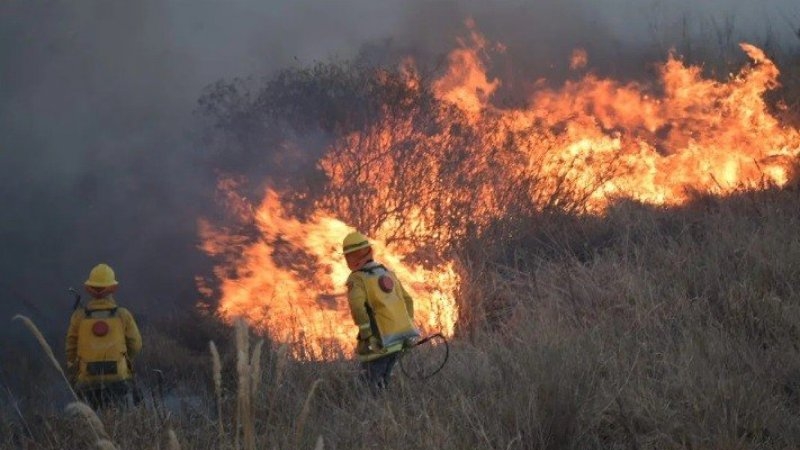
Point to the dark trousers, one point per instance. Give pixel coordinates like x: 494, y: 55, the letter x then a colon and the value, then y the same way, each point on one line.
x: 100, y: 396
x: 377, y: 373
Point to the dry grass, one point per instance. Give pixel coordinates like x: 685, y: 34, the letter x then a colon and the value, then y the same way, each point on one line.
x: 255, y: 369
x: 105, y: 444
x: 244, y: 410
x: 99, y: 437
x: 47, y: 349
x: 668, y: 330
x: 172, y: 440
x: 301, y: 420
x: 216, y: 370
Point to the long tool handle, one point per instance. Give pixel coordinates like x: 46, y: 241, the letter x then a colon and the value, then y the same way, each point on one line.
x: 77, y: 298
x: 428, y: 338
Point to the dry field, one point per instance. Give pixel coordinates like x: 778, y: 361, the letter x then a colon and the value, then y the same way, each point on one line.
x: 645, y: 329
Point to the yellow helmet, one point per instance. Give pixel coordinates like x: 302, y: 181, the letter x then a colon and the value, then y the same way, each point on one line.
x: 101, y: 276
x: 354, y: 241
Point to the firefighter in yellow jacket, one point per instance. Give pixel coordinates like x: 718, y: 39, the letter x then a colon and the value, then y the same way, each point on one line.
x: 382, y: 310
x: 102, y: 341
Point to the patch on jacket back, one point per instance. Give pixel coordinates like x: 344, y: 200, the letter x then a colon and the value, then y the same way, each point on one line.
x: 386, y: 283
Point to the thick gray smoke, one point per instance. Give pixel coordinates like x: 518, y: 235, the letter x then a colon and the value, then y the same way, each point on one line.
x: 99, y: 159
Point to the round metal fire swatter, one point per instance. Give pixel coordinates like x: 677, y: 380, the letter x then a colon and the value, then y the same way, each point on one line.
x: 425, y: 358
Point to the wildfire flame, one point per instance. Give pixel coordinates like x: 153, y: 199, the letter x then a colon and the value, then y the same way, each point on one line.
x: 620, y: 141
x: 588, y: 142
x: 291, y: 281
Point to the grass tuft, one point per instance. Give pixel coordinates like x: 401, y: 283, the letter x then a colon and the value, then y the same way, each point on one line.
x: 244, y: 392
x: 172, y: 440
x: 301, y: 419
x: 216, y: 369
x: 86, y: 413
x: 255, y: 369
x: 105, y: 444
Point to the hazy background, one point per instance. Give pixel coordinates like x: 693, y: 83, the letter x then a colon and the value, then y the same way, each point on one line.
x: 100, y: 158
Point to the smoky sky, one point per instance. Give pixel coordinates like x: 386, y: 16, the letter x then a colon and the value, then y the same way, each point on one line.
x: 99, y: 152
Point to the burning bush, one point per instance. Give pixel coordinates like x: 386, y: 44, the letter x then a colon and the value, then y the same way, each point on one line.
x: 424, y: 165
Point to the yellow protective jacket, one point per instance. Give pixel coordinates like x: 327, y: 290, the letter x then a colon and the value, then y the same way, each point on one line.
x: 382, y: 310
x: 106, y: 358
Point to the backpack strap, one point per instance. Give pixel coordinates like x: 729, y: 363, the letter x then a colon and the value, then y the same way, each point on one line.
x: 373, y: 324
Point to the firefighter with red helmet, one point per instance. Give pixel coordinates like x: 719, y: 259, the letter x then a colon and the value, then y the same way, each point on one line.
x: 381, y: 308
x: 102, y: 341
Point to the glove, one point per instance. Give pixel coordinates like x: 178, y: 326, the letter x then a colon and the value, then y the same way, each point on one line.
x: 364, y: 334
x: 410, y: 342
x: 369, y: 345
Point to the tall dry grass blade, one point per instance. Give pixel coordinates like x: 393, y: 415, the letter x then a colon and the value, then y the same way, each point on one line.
x: 244, y: 409
x: 47, y: 349
x: 280, y: 367
x: 320, y: 445
x: 15, y: 405
x: 216, y: 367
x: 255, y: 369
x: 280, y: 364
x: 172, y: 440
x: 301, y: 419
x: 105, y: 444
x: 84, y: 411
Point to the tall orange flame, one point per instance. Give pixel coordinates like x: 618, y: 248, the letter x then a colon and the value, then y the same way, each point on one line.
x: 700, y: 135
x: 291, y: 281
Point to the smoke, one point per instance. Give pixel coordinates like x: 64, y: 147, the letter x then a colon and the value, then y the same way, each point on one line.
x: 99, y: 155
x: 667, y: 23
